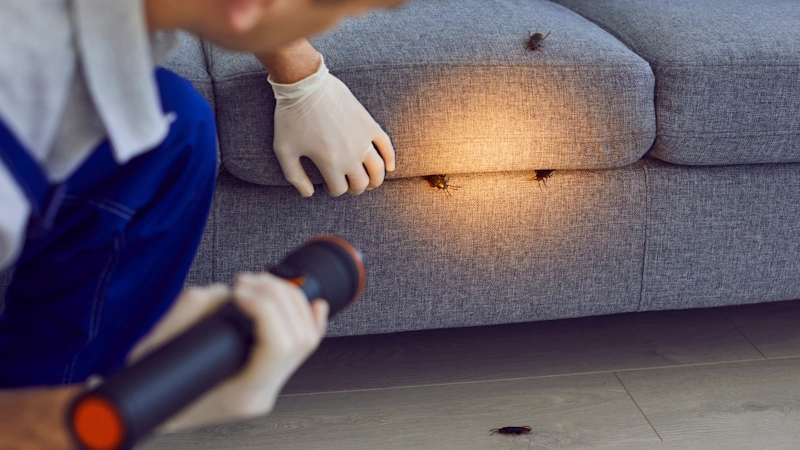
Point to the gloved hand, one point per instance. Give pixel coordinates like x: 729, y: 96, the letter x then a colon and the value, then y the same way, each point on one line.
x: 287, y: 331
x: 318, y: 117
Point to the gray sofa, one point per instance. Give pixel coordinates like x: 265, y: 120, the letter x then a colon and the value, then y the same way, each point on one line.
x: 673, y: 127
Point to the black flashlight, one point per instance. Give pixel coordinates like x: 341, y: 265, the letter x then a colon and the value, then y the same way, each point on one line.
x: 133, y: 402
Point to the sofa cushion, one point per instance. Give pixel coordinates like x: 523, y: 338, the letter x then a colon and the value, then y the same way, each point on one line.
x: 727, y: 74
x: 454, y: 86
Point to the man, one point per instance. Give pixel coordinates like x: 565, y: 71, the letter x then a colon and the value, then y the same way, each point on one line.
x: 107, y: 170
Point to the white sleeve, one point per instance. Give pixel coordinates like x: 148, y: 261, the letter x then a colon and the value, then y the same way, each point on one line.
x: 14, y: 212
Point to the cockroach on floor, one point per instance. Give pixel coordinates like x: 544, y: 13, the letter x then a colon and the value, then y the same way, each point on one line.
x: 515, y: 431
x: 541, y: 176
x: 535, y: 41
x: 441, y: 182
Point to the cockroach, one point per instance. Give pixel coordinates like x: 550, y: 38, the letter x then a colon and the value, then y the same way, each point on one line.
x: 535, y: 41
x: 516, y: 431
x: 441, y: 182
x: 541, y: 176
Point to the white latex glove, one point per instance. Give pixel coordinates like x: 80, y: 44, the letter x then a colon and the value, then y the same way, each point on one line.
x: 318, y: 117
x: 287, y: 331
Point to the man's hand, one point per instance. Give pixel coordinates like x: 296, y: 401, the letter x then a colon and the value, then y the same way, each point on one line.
x: 318, y: 117
x: 287, y: 331
x: 33, y: 419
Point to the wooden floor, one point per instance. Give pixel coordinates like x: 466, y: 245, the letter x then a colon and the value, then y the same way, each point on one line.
x: 701, y: 379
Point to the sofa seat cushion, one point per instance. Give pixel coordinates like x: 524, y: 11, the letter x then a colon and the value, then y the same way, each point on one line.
x: 727, y: 74
x: 455, y: 88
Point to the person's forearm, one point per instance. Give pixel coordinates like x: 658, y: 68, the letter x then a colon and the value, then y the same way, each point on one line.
x: 35, y: 418
x: 291, y: 63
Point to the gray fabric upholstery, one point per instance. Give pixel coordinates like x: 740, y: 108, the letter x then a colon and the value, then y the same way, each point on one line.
x: 721, y: 235
x: 202, y: 271
x: 501, y: 250
x: 727, y: 74
x: 453, y: 85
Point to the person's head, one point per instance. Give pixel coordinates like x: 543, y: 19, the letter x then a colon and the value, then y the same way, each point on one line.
x: 256, y: 25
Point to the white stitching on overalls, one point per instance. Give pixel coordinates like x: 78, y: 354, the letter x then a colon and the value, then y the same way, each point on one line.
x: 106, y: 277
x: 111, y: 209
x: 102, y: 284
x: 121, y: 207
x: 105, y: 204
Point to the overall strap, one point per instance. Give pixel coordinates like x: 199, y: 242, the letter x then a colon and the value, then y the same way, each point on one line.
x: 45, y: 199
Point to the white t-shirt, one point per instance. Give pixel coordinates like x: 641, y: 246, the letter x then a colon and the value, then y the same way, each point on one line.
x: 73, y: 73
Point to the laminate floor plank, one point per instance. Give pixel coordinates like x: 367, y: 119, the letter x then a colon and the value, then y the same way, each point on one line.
x: 776, y: 440
x: 585, y: 345
x: 719, y: 399
x: 774, y: 328
x: 568, y: 412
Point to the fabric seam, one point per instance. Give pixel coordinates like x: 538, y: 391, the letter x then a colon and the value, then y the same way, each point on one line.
x: 363, y: 69
x: 214, y: 242
x: 730, y: 134
x: 93, y: 314
x: 646, y: 230
x: 206, y: 48
x: 666, y: 65
x: 207, y: 57
x: 620, y: 137
x: 119, y: 244
x: 106, y: 205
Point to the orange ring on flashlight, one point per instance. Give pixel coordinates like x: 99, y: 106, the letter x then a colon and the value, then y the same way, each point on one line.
x: 348, y: 247
x: 97, y: 424
x: 299, y: 281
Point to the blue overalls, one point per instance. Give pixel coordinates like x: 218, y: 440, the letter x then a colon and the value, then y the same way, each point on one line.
x: 108, y: 250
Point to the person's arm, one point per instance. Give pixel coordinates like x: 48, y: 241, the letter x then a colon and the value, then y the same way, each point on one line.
x: 34, y: 418
x: 286, y: 332
x: 292, y: 62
